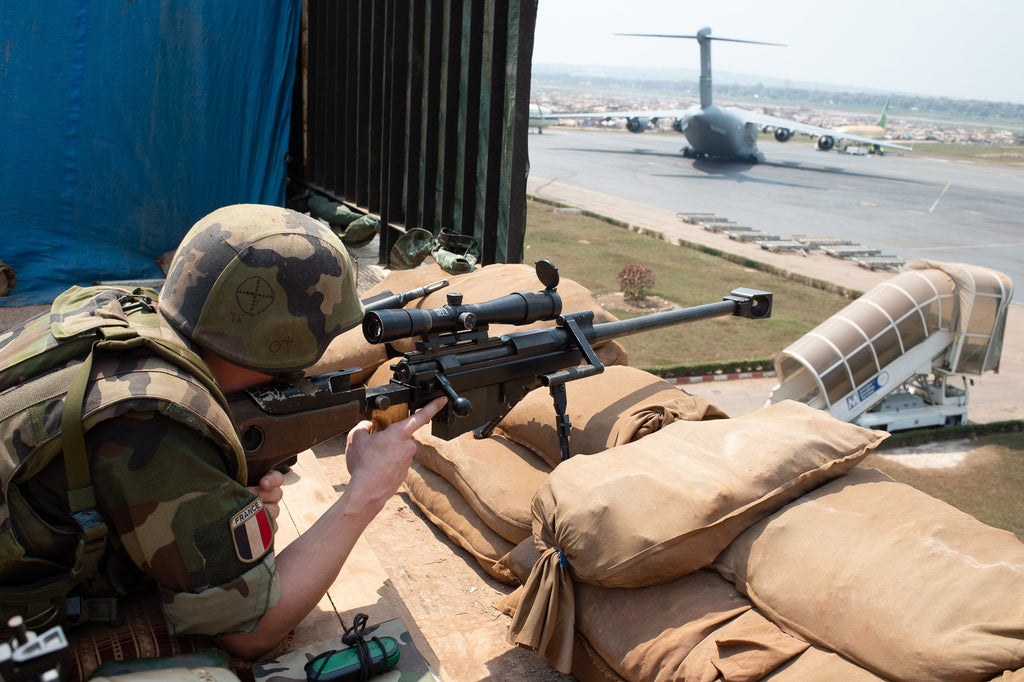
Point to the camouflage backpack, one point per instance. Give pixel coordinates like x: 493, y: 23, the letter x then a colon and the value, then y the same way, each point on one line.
x: 45, y: 369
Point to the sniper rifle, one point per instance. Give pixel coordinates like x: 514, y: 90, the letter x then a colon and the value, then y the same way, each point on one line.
x: 482, y: 376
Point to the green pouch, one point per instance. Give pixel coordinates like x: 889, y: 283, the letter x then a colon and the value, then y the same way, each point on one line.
x: 454, y: 263
x: 337, y: 214
x: 412, y: 248
x: 360, y: 231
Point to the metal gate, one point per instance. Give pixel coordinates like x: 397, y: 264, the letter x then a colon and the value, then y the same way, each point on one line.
x: 417, y: 111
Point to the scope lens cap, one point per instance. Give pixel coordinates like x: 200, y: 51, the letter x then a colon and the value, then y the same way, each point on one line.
x: 547, y: 273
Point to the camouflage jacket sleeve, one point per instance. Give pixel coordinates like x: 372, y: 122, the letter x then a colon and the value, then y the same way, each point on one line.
x: 205, y: 538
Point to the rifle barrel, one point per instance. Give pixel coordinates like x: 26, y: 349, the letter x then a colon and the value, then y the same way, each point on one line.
x: 742, y: 302
x: 636, y: 325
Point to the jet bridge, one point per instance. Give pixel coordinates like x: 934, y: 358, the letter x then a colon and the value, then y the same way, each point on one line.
x: 902, y: 354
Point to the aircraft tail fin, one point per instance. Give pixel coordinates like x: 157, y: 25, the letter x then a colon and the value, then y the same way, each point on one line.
x: 885, y: 113
x: 704, y: 38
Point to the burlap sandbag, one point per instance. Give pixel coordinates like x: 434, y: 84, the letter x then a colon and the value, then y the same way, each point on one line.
x: 818, y: 665
x: 813, y: 665
x: 697, y: 627
x: 497, y: 477
x: 445, y: 508
x: 659, y: 625
x: 890, y: 577
x: 347, y: 351
x: 656, y: 509
x: 484, y: 284
x: 521, y: 560
x: 618, y: 406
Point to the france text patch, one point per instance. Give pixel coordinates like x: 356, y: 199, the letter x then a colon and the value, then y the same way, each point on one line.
x: 252, y: 532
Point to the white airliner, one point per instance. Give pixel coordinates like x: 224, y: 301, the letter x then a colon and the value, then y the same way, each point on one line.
x: 540, y: 117
x: 723, y: 131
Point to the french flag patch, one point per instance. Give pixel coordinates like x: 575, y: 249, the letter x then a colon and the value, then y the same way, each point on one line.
x: 252, y: 531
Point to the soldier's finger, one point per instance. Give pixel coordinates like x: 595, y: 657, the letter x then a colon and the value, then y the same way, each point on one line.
x: 272, y: 479
x: 360, y: 431
x: 410, y: 424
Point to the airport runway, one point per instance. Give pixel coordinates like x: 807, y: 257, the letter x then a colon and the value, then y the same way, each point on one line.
x: 904, y: 205
x: 913, y: 207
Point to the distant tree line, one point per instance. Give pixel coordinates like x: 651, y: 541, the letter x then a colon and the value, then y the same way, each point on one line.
x: 968, y: 110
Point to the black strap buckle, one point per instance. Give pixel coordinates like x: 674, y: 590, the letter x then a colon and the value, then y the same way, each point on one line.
x: 131, y: 303
x: 91, y: 544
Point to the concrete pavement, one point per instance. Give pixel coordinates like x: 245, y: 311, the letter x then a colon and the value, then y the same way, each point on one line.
x: 994, y: 396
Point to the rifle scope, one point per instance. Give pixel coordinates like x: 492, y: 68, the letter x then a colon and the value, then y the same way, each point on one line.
x: 522, y: 307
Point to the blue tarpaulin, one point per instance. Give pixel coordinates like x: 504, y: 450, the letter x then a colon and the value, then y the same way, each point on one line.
x: 122, y: 122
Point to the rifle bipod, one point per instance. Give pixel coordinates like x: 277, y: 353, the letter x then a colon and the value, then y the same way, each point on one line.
x: 556, y: 381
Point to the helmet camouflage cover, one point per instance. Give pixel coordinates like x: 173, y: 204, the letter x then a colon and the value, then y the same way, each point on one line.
x: 263, y: 287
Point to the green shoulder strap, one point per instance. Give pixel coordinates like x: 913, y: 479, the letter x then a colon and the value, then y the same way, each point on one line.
x: 81, y: 496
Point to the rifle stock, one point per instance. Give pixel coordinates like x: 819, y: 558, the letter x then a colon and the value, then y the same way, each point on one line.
x: 483, y: 376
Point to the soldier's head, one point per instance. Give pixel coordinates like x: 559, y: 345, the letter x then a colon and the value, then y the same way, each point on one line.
x: 263, y: 287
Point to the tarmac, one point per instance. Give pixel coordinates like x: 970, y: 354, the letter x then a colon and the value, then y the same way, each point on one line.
x: 994, y: 397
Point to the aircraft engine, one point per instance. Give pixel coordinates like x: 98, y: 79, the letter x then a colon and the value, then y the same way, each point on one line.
x: 637, y: 125
x: 826, y: 142
x: 783, y: 134
x: 677, y: 125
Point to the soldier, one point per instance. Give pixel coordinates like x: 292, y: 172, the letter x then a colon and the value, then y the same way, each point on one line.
x: 141, y: 460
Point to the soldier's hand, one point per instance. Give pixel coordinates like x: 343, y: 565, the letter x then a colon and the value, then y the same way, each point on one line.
x: 378, y: 461
x: 269, y: 490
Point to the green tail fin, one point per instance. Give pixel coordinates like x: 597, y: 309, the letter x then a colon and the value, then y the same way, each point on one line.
x: 885, y: 112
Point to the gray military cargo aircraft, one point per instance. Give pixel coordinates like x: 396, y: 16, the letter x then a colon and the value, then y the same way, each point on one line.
x: 718, y: 131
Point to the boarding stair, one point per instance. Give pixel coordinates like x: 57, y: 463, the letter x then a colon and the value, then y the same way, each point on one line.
x: 901, y: 356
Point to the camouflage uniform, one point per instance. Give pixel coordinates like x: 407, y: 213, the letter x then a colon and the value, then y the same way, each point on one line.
x: 163, y: 455
x: 163, y: 459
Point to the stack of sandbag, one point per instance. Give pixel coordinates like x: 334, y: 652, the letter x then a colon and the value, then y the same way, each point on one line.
x: 697, y: 627
x: 479, y: 491
x: 657, y: 509
x: 889, y: 577
x: 351, y: 351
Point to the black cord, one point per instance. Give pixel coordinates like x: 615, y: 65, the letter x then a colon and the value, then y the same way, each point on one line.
x: 354, y: 637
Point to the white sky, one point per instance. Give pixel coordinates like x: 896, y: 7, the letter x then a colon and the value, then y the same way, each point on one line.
x: 954, y: 48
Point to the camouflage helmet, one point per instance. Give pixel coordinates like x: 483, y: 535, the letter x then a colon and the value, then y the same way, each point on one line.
x: 263, y: 287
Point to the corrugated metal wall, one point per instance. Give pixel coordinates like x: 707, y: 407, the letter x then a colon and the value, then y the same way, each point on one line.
x: 417, y: 111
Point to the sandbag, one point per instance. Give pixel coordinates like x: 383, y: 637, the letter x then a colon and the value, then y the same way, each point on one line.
x: 521, y: 560
x: 347, y: 351
x: 497, y: 477
x: 890, y: 577
x: 653, y: 637
x: 484, y: 284
x: 618, y: 406
x: 697, y: 627
x: 445, y: 508
x: 817, y: 664
x: 588, y: 666
x: 661, y: 507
